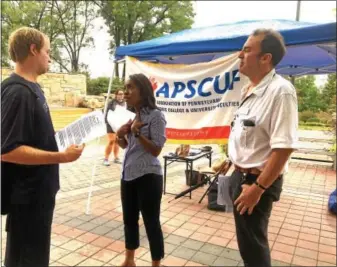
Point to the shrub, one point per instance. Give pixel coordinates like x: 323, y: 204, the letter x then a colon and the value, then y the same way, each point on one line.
x: 315, y: 124
x: 313, y: 119
x: 100, y: 85
x: 305, y: 115
x: 324, y: 117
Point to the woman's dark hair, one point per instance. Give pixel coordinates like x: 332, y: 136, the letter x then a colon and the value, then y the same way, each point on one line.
x: 146, y: 92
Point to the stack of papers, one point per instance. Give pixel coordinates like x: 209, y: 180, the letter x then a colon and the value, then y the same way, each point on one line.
x: 89, y: 127
x: 119, y: 117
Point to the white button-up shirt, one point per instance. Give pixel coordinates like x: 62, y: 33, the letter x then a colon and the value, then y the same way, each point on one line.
x: 267, y: 119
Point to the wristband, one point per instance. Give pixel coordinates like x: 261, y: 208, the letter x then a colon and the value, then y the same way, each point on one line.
x: 259, y: 185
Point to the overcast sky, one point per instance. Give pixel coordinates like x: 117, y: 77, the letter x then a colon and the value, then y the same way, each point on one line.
x: 212, y: 13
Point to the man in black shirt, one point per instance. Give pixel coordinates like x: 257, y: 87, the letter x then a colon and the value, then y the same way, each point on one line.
x: 29, y: 152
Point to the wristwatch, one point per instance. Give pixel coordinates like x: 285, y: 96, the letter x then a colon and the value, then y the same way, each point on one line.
x: 259, y: 185
x: 137, y: 134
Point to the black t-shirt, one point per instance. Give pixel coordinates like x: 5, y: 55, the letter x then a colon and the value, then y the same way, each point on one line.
x: 25, y: 120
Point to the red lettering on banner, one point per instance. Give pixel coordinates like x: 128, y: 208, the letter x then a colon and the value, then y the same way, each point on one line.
x: 216, y: 132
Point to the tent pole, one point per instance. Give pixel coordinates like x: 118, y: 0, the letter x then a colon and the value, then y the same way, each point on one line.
x: 298, y: 11
x: 110, y: 85
x: 93, y: 173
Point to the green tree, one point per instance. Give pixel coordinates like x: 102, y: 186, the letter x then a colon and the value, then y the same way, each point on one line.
x: 308, y: 94
x: 66, y: 23
x: 76, y: 19
x: 135, y: 21
x: 329, y: 94
x: 15, y: 14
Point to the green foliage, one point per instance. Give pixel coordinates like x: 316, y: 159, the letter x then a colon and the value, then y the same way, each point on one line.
x: 329, y: 94
x: 317, y: 110
x: 313, y: 119
x: 315, y: 124
x: 100, y: 85
x: 316, y: 128
x: 306, y: 115
x: 308, y: 94
x: 324, y: 117
x: 15, y: 14
x: 66, y: 23
x: 135, y: 21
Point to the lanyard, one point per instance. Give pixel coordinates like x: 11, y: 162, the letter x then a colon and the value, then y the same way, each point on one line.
x: 246, y: 98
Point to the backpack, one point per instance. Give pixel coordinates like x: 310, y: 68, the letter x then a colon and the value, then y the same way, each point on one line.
x: 332, y: 204
x: 6, y: 180
x: 213, y: 199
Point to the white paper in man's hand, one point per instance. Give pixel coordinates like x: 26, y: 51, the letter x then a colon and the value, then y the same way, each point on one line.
x: 89, y: 127
x: 119, y: 117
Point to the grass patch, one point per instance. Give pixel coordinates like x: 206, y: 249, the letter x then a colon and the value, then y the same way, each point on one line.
x: 317, y: 128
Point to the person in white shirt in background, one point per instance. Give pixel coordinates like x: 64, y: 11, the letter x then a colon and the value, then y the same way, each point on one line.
x: 262, y: 138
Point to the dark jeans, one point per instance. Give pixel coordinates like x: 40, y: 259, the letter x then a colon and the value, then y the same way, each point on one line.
x: 143, y: 195
x: 252, y: 230
x: 28, y: 229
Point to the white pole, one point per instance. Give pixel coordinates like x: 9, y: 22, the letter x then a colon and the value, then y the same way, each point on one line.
x: 93, y: 173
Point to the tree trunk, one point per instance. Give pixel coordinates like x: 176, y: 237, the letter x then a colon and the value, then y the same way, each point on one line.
x: 124, y: 69
x: 74, y: 65
x: 116, y: 70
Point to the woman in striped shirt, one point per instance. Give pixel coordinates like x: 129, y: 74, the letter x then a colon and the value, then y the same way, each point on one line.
x: 142, y: 178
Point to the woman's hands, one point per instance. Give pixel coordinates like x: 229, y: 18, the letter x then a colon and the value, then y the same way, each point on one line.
x: 137, y: 124
x: 124, y: 129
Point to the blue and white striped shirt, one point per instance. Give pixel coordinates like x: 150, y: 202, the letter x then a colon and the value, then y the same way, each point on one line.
x: 137, y: 161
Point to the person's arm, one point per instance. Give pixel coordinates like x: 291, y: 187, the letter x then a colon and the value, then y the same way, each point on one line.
x: 149, y: 146
x: 121, y: 134
x: 18, y: 132
x: 274, y: 166
x: 122, y: 142
x: 283, y: 141
x: 158, y: 135
x: 27, y: 155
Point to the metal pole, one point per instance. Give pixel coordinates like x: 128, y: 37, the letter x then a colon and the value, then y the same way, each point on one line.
x: 110, y: 84
x: 93, y: 173
x: 298, y: 11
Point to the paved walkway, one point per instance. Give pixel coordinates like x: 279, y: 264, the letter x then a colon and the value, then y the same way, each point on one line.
x: 301, y: 232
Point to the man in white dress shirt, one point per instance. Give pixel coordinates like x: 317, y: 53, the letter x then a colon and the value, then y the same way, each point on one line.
x: 263, y: 136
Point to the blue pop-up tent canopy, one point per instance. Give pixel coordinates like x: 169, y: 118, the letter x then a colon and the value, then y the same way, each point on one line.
x: 311, y: 47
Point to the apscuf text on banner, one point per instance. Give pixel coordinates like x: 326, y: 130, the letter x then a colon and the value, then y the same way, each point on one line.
x: 191, y: 87
x: 198, y: 100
